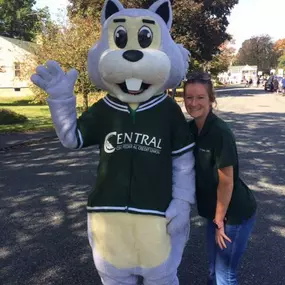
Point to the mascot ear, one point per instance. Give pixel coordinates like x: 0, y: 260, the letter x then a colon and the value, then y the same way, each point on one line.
x: 110, y: 7
x: 163, y: 9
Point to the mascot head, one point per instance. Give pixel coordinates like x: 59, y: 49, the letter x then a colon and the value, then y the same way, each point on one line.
x: 135, y: 57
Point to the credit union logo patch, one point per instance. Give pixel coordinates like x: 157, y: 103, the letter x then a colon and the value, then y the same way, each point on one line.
x: 142, y: 142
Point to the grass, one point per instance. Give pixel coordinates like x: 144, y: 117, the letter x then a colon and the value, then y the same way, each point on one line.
x: 38, y: 119
x: 10, y: 117
x: 38, y: 115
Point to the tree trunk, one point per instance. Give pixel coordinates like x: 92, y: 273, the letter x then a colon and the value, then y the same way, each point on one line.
x: 85, y: 101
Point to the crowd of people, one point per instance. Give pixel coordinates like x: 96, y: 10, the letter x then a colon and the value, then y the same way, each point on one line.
x: 271, y: 83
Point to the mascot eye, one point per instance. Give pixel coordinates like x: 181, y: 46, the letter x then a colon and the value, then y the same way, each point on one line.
x: 145, y: 37
x: 121, y: 37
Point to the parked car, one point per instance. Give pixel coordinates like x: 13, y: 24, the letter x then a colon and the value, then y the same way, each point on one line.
x: 271, y: 84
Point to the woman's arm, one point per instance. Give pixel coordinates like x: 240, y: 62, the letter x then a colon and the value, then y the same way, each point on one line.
x: 224, y: 194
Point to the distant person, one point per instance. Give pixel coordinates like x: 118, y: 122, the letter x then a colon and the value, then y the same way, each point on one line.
x: 283, y: 84
x: 275, y: 84
x: 258, y: 82
x: 279, y: 84
x: 262, y: 81
x: 250, y: 82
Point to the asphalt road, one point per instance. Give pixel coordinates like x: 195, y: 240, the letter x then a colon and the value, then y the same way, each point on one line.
x: 44, y: 190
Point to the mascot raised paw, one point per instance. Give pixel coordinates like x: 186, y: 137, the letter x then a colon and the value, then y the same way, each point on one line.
x: 139, y: 208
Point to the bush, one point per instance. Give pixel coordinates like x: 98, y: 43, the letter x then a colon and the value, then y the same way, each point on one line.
x: 8, y: 117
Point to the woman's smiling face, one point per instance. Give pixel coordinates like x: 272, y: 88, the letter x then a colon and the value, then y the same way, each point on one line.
x: 196, y: 100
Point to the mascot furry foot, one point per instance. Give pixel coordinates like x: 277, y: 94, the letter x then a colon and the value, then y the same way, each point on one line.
x: 139, y: 208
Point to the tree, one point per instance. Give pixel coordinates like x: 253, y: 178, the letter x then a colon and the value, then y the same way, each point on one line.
x: 200, y: 25
x: 19, y: 20
x: 222, y: 60
x: 281, y: 61
x: 258, y: 51
x: 279, y: 46
x: 69, y: 47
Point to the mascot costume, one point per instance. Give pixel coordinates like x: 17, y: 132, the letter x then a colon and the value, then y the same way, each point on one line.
x: 139, y: 208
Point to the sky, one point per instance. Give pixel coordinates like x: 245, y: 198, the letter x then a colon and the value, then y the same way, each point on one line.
x: 248, y: 18
x: 256, y: 17
x: 54, y: 7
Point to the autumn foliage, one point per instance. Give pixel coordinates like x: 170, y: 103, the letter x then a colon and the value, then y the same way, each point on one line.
x: 69, y: 45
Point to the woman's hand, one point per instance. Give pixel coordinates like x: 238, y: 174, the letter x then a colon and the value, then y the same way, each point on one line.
x: 220, y: 238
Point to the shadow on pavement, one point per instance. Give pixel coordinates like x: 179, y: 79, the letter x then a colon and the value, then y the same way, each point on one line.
x: 44, y: 190
x: 240, y: 92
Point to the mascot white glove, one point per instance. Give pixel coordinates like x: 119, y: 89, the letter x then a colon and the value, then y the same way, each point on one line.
x: 177, y: 215
x: 54, y: 81
x: 59, y: 86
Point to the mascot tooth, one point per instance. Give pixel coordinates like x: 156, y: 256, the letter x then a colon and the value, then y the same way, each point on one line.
x: 139, y: 207
x: 134, y: 85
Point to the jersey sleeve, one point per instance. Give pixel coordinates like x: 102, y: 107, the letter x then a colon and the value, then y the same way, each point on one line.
x: 88, y: 126
x: 225, y: 150
x: 182, y: 140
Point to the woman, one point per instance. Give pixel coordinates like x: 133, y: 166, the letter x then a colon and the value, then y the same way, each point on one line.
x: 222, y: 197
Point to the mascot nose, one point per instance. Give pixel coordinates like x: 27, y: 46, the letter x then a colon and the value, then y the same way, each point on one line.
x: 133, y: 55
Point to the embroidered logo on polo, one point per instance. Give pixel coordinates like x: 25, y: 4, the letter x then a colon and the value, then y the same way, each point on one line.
x: 205, y: 150
x: 142, y: 142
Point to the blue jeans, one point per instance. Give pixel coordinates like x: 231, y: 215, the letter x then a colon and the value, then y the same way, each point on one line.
x: 223, y: 263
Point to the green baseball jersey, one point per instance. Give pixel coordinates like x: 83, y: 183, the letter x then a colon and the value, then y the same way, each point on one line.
x: 215, y: 149
x: 136, y: 151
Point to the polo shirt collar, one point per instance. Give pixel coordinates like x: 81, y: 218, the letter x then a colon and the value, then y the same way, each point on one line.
x: 208, y: 122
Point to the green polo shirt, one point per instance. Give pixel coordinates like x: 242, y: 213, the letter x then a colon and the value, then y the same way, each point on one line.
x: 136, y: 151
x: 215, y: 149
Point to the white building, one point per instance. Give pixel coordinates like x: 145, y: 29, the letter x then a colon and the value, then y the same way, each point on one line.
x: 238, y: 74
x: 15, y: 56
